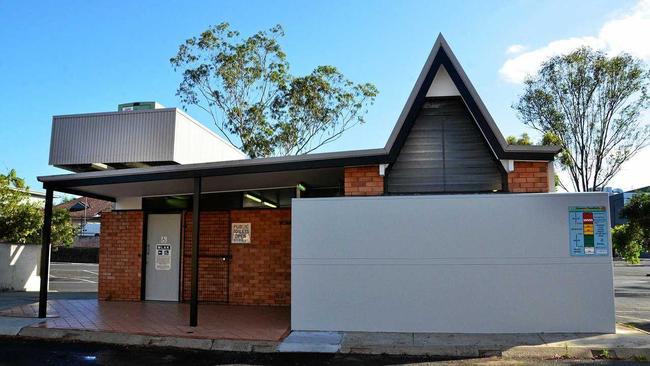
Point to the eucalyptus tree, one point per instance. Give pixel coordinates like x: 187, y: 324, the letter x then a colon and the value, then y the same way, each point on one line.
x: 245, y: 86
x: 590, y: 104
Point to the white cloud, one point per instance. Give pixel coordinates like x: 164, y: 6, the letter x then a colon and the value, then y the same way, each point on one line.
x: 515, y: 49
x: 629, y: 32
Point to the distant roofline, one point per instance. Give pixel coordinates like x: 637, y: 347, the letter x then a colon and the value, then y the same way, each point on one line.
x: 32, y: 193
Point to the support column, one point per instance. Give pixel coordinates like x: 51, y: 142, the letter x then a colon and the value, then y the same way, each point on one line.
x: 196, y: 222
x: 45, y: 254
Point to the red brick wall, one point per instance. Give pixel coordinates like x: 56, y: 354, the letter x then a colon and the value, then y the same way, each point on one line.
x: 363, y: 181
x: 120, y: 255
x: 529, y: 177
x: 260, y: 272
x: 213, y: 242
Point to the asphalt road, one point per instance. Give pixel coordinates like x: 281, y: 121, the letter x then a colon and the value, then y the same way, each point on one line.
x: 21, y: 352
x: 73, y: 277
x: 632, y: 288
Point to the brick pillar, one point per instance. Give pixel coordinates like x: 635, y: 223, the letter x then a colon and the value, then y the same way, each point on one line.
x: 363, y: 181
x: 529, y: 176
x: 120, y: 255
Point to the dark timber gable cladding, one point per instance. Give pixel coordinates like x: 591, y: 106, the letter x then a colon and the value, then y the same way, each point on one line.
x: 444, y: 152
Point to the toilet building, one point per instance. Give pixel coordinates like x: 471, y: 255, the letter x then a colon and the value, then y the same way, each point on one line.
x: 196, y: 221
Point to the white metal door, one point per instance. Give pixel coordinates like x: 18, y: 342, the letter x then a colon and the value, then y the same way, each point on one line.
x: 163, y: 257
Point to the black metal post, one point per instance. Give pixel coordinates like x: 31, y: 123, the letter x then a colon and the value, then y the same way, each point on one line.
x: 45, y: 254
x: 196, y: 222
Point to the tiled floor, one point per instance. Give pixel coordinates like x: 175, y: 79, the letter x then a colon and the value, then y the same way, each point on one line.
x: 159, y: 318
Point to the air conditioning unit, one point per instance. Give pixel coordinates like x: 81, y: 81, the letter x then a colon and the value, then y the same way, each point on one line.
x: 138, y: 106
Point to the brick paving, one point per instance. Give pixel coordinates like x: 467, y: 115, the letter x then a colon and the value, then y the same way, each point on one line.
x: 263, y: 323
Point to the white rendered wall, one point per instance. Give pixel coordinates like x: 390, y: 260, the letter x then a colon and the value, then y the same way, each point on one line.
x: 492, y: 263
x: 128, y: 203
x: 442, y: 85
x: 19, y: 267
x: 195, y: 143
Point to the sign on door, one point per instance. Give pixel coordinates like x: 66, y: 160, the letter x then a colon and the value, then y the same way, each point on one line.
x: 163, y: 255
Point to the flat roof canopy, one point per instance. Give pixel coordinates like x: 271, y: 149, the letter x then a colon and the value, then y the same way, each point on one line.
x: 317, y: 178
x: 316, y: 170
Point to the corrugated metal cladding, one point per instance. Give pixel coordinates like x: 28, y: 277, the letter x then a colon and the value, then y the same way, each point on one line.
x: 113, y: 137
x: 444, y: 152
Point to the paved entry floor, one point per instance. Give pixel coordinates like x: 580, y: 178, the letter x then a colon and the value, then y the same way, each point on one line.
x: 267, y: 323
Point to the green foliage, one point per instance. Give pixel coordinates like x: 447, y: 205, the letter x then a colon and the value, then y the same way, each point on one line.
x: 626, y: 243
x: 630, y: 239
x: 21, y: 221
x: 637, y: 212
x: 605, y: 354
x: 589, y: 104
x: 523, y: 140
x: 245, y: 86
x: 63, y: 232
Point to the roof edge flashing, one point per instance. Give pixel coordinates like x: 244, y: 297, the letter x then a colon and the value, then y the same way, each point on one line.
x: 309, y: 161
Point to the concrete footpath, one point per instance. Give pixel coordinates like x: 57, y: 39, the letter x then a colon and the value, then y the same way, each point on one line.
x: 627, y: 343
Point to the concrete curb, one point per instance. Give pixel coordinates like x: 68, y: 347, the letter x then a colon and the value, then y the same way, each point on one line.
x: 574, y: 352
x: 547, y: 352
x: 126, y: 339
x: 441, y: 351
x: 396, y: 344
x: 11, y: 326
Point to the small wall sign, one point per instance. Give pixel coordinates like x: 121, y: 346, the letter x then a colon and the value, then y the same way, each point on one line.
x: 240, y: 233
x: 163, y: 256
x: 588, y: 231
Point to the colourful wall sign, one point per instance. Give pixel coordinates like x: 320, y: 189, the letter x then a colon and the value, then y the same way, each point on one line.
x: 588, y: 231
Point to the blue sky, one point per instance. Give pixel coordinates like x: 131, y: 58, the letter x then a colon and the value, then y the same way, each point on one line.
x: 88, y: 56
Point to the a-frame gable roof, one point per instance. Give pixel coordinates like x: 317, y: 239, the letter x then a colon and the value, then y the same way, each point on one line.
x: 442, y: 56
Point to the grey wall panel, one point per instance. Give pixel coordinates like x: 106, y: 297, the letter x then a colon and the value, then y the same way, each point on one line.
x: 137, y: 136
x: 444, y: 152
x: 479, y: 263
